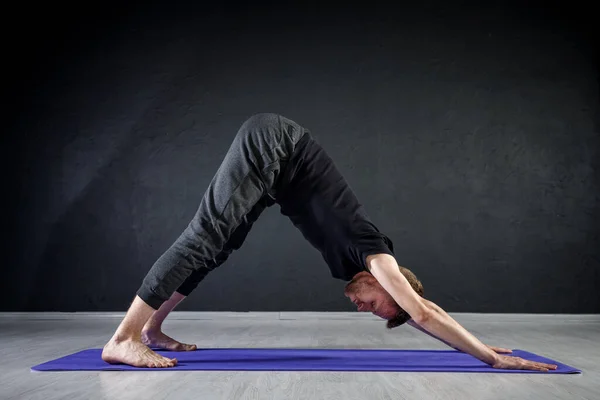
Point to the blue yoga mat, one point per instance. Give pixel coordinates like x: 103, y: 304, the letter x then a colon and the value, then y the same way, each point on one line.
x: 278, y: 359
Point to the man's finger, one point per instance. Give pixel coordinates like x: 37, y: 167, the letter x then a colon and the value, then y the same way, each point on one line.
x: 500, y: 349
x: 544, y: 365
x: 541, y: 366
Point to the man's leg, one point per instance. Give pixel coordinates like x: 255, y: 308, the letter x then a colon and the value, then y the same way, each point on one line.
x: 152, y: 334
x: 247, y: 175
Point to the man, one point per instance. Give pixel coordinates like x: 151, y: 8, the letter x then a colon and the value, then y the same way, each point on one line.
x: 274, y: 160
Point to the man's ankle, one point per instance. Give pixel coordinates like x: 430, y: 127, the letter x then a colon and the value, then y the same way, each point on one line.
x: 149, y: 327
x: 120, y: 337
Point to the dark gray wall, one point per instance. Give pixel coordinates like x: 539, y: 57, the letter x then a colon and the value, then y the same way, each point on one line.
x: 469, y: 133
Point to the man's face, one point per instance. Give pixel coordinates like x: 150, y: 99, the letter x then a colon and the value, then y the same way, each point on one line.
x: 369, y: 296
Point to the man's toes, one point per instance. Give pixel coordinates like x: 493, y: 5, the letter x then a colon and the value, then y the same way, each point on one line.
x: 185, y: 347
x: 168, y: 363
x: 163, y: 361
x: 157, y: 361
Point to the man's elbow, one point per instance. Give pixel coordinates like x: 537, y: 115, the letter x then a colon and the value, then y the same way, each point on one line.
x: 423, y: 315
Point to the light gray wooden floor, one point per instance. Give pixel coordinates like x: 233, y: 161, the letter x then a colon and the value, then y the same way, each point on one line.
x: 30, y: 339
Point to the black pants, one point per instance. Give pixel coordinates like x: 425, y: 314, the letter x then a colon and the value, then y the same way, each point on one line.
x: 244, y: 185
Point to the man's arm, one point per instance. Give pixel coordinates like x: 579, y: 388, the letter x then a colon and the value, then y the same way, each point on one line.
x: 418, y: 327
x: 385, y: 269
x: 434, y: 320
x: 412, y: 323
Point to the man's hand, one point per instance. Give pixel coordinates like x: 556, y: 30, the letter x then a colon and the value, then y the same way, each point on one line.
x: 509, y: 362
x: 499, y: 350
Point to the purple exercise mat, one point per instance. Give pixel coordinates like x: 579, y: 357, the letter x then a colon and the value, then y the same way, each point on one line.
x: 279, y: 359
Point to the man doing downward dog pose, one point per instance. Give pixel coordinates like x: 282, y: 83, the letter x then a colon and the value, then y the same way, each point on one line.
x: 275, y: 160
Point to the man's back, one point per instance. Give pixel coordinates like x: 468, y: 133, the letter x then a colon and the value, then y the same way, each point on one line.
x: 321, y: 204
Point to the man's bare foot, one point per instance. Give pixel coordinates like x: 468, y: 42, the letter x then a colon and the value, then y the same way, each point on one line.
x: 155, y: 338
x: 134, y: 353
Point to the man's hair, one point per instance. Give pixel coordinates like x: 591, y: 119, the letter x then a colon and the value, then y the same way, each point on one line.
x: 402, y: 316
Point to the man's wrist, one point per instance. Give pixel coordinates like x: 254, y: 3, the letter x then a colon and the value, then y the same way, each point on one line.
x: 491, y: 358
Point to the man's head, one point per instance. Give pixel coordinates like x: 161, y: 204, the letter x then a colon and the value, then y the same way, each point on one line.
x: 368, y: 294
